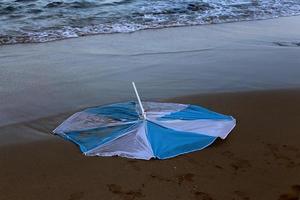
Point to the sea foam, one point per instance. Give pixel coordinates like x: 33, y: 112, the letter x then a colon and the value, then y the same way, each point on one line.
x: 24, y: 21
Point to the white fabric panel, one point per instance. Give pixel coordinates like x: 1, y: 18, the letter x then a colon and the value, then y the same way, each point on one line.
x: 215, y: 128
x: 157, y: 109
x: 133, y: 144
x: 82, y: 121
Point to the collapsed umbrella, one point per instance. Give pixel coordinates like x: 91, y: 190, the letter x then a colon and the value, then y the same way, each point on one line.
x: 144, y: 130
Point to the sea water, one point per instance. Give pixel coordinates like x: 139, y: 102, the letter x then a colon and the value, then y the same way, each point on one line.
x: 23, y: 21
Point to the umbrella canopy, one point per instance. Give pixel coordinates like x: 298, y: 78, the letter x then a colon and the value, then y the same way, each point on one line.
x: 144, y: 130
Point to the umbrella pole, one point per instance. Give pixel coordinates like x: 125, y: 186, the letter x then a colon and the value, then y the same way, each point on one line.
x: 139, y: 101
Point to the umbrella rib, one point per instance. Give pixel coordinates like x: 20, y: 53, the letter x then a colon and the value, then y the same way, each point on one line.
x: 125, y: 132
x: 106, y: 126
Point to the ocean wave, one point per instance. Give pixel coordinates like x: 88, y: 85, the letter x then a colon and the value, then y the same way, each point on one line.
x: 287, y: 43
x: 25, y: 21
x: 75, y: 4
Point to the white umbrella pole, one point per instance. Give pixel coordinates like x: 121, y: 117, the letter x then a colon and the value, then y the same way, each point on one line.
x: 139, y: 101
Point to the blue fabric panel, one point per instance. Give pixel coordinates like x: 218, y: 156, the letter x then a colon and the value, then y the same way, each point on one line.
x: 195, y: 112
x: 119, y: 111
x: 168, y: 143
x: 90, y: 139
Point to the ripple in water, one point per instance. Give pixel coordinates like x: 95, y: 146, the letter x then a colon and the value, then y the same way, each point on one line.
x: 24, y: 21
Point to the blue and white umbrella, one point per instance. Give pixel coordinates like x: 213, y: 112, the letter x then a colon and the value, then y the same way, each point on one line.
x: 144, y: 130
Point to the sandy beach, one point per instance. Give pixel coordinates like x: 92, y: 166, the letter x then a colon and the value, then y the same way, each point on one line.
x: 249, y: 70
x: 259, y: 160
x: 39, y: 80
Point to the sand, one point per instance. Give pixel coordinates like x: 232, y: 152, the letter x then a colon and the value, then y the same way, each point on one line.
x: 40, y: 80
x: 260, y: 159
x: 251, y: 70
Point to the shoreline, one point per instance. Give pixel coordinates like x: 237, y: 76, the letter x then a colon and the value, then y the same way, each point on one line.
x: 249, y: 70
x: 260, y: 158
x: 35, y: 129
x: 45, y: 79
x: 146, y: 29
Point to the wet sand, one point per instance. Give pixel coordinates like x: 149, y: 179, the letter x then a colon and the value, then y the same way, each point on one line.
x: 40, y: 80
x: 259, y: 160
x: 42, y: 84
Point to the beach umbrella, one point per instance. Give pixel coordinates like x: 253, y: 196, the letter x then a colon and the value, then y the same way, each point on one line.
x: 144, y: 130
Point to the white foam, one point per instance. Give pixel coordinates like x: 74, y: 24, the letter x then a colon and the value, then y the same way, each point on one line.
x: 123, y: 16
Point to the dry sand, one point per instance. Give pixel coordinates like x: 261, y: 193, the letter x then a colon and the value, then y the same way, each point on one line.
x: 260, y: 159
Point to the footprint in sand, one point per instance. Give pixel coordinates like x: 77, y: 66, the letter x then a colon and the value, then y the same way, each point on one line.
x: 179, y: 179
x: 241, y: 195
x: 228, y: 154
x: 202, y: 196
x: 240, y: 164
x: 294, y: 194
x: 189, y: 177
x: 160, y: 178
x: 125, y: 194
x: 237, y: 163
x: 76, y: 196
x: 281, y: 152
x: 218, y: 167
x: 133, y: 164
